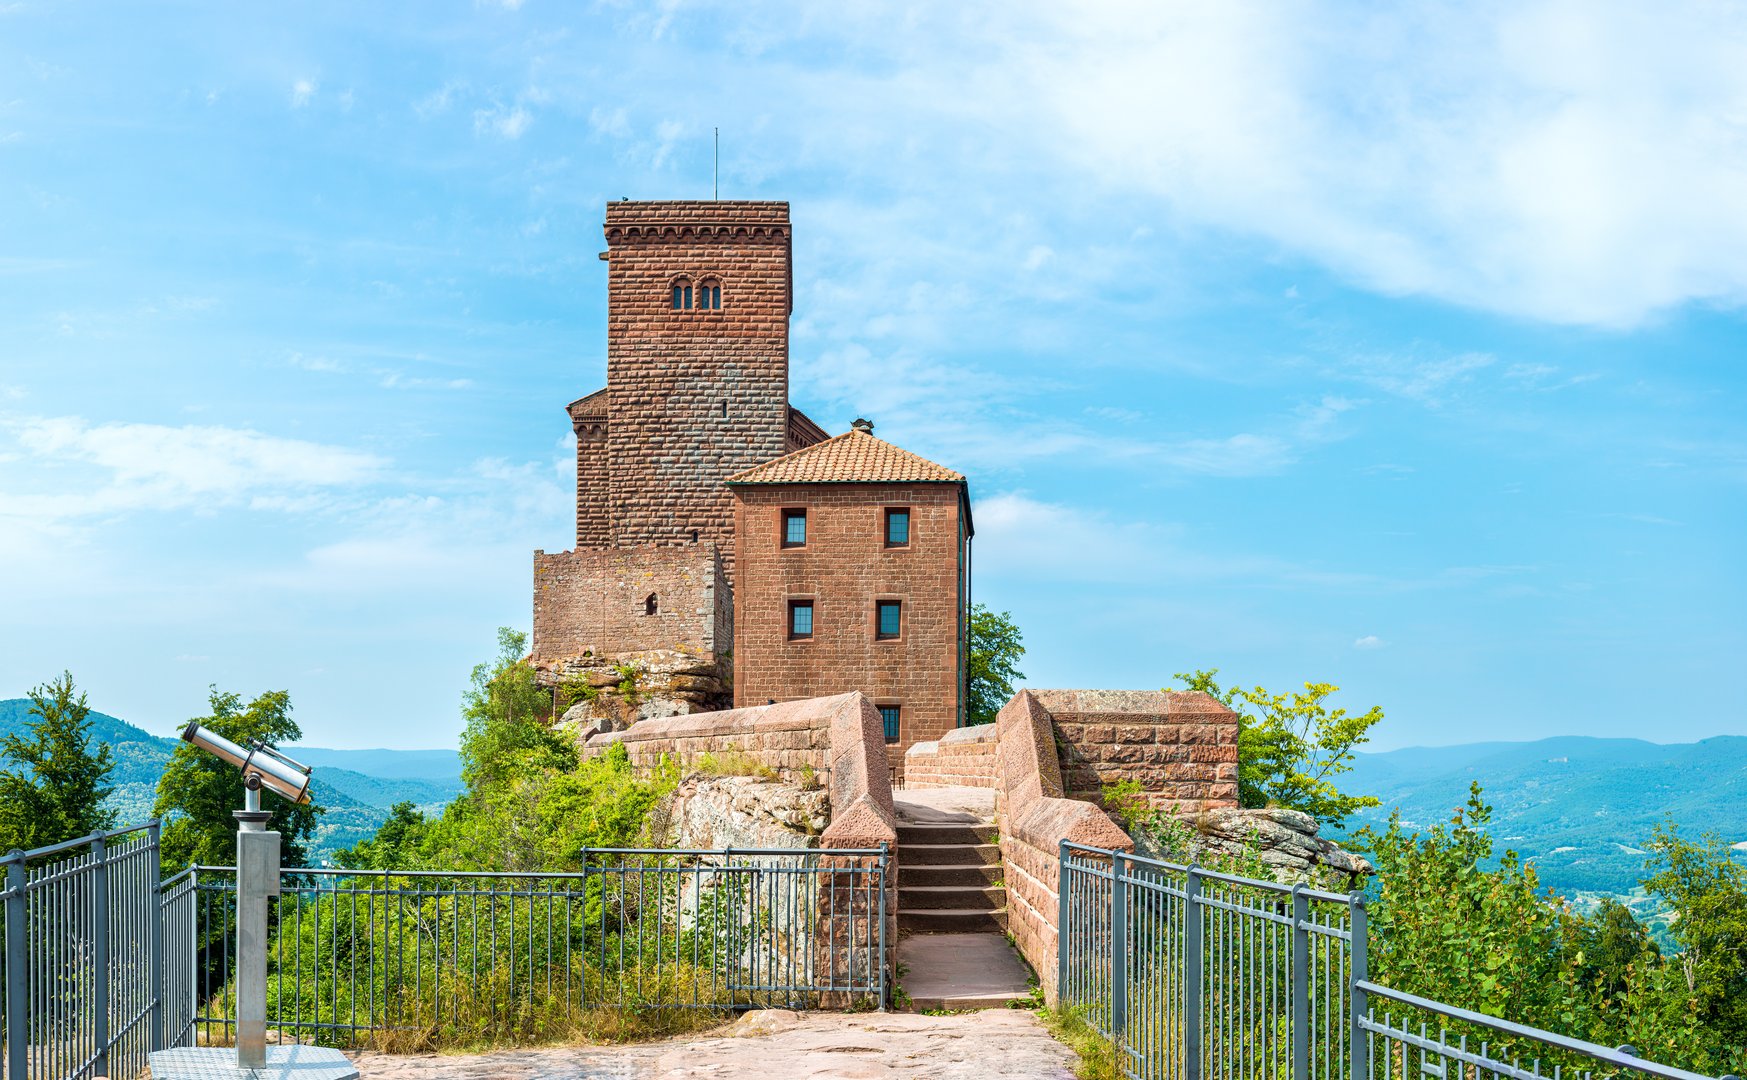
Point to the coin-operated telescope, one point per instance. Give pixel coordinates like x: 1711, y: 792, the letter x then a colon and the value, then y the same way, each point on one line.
x: 257, y: 879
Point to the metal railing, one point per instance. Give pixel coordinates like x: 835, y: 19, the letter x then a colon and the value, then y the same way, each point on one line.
x: 1194, y: 973
x: 448, y: 954
x: 83, y: 947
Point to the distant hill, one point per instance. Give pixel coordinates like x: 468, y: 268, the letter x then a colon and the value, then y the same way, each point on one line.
x: 1580, y: 807
x: 357, y: 787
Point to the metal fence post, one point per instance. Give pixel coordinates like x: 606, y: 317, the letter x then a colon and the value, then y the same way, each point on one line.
x: 100, y: 952
x: 1061, y: 923
x: 17, y: 985
x: 155, y: 940
x: 1300, y: 983
x: 882, y: 959
x: 1359, y: 1001
x: 1192, y: 960
x: 1118, y: 950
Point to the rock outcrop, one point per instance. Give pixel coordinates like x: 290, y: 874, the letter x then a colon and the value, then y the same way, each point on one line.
x: 709, y: 812
x: 612, y: 692
x: 1285, y: 841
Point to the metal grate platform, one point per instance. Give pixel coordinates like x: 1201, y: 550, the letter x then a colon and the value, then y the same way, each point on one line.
x: 283, y: 1063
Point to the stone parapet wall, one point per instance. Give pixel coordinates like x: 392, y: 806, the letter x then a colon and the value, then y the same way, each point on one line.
x: 963, y: 757
x: 1035, y: 818
x: 840, y: 742
x: 1181, y: 746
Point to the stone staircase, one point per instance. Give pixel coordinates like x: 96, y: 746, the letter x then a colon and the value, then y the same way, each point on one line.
x: 948, y: 879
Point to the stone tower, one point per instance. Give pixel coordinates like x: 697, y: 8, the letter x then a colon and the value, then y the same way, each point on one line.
x: 698, y: 303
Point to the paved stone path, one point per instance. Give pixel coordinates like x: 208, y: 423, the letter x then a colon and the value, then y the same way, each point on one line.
x: 998, y: 1044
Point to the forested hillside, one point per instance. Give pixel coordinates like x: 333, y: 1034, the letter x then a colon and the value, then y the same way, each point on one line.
x: 1580, y: 807
x: 357, y: 787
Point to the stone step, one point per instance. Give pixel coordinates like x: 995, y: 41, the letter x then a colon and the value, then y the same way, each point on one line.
x: 914, y: 897
x: 975, y: 875
x: 947, y: 854
x: 952, y: 921
x: 946, y: 833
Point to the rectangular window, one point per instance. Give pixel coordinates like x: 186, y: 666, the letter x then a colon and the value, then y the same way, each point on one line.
x: 890, y: 619
x: 800, y: 618
x: 794, y: 528
x: 897, y: 526
x: 889, y: 715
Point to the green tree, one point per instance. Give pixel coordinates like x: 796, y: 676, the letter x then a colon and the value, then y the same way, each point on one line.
x: 198, y: 792
x: 395, y: 846
x: 1291, y: 746
x: 992, y: 651
x: 1708, y: 888
x: 55, y: 790
x: 508, y: 732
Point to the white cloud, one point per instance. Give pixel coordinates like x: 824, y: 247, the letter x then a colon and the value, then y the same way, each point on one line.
x: 81, y: 469
x: 1369, y: 641
x: 301, y: 92
x: 507, y: 123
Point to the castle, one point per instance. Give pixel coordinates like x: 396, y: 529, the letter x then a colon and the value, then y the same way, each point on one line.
x: 728, y: 552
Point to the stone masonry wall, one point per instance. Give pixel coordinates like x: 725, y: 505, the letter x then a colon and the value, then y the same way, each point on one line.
x: 963, y: 757
x: 588, y: 419
x: 1181, y: 746
x: 593, y: 601
x: 1034, y: 820
x: 844, y: 569
x: 695, y: 395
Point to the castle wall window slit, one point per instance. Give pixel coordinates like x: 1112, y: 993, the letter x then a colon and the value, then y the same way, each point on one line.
x: 650, y: 605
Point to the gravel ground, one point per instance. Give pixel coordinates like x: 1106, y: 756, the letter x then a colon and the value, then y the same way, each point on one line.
x: 997, y: 1044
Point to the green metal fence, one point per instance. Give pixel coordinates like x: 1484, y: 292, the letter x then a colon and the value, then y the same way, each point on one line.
x: 456, y: 955
x: 82, y: 957
x: 1196, y: 974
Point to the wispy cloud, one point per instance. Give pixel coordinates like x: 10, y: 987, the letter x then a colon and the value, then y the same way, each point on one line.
x: 302, y: 92
x: 510, y: 122
x: 83, y: 469
x: 1369, y: 641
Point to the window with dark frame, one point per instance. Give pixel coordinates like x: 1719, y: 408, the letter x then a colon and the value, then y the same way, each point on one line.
x: 889, y: 717
x: 800, y: 619
x: 710, y: 296
x: 897, y: 526
x: 794, y: 528
x: 682, y: 296
x: 888, y: 619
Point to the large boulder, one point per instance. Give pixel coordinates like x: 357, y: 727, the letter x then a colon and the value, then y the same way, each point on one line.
x: 1284, y: 841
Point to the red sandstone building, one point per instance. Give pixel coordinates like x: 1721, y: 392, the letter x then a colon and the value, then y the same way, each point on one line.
x: 723, y: 543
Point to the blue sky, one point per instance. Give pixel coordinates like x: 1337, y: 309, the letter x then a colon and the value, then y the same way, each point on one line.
x: 1403, y: 352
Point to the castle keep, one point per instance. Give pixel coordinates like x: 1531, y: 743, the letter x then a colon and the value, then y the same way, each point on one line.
x: 728, y: 551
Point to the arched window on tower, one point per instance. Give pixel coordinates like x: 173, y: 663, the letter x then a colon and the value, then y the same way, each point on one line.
x: 650, y: 607
x: 682, y: 294
x: 709, y: 295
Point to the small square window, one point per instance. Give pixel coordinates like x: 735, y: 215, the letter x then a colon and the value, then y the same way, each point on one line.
x: 890, y: 619
x: 794, y: 528
x: 889, y: 717
x: 897, y: 526
x: 800, y: 618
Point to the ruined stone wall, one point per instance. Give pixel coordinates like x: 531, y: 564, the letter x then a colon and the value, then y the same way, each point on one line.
x: 594, y: 601
x: 696, y: 395
x: 1181, y: 746
x: 963, y: 757
x: 844, y: 568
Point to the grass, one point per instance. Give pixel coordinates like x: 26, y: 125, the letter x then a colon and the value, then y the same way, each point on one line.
x: 1100, y: 1059
x: 733, y: 763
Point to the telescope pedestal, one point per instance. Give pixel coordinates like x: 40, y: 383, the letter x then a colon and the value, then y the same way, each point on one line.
x: 282, y: 1063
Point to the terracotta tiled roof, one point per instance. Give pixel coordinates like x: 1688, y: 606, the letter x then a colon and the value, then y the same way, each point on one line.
x: 851, y: 458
